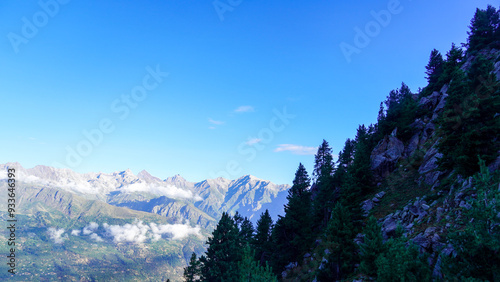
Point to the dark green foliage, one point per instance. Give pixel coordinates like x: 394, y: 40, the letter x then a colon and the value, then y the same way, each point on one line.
x: 371, y: 248
x: 246, y: 231
x: 292, y: 234
x: 346, y: 156
x: 351, y: 198
x: 262, y: 242
x: 238, y: 219
x: 360, y: 169
x: 454, y: 60
x: 223, y: 253
x: 469, y: 122
x: 323, y: 165
x: 402, y: 261
x: 323, y: 174
x: 434, y: 69
x: 401, y: 111
x: 251, y: 270
x: 484, y: 29
x: 350, y: 191
x: 477, y: 245
x: 192, y: 272
x: 339, y: 240
x: 282, y: 252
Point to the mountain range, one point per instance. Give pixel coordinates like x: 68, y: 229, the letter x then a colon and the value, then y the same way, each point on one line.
x: 129, y: 221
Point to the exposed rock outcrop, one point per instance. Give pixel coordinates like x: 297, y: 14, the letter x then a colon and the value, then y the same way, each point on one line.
x: 429, y: 166
x: 385, y: 156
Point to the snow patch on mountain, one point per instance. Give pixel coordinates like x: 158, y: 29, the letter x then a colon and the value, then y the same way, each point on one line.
x: 100, y: 183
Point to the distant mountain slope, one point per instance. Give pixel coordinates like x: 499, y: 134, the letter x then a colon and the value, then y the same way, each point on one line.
x: 63, y: 236
x: 175, y: 198
x: 122, y: 221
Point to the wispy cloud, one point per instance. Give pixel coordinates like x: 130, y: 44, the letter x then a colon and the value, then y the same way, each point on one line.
x: 75, y: 232
x: 56, y: 235
x: 244, y: 109
x: 216, y: 122
x: 253, y: 141
x: 296, y: 149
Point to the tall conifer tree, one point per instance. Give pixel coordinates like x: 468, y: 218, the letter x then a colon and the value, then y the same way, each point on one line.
x: 223, y: 252
x: 323, y: 175
x: 262, y: 240
x: 293, y: 233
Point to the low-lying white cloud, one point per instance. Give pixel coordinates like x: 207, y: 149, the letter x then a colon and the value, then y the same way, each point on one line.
x: 57, y: 235
x: 90, y: 228
x: 138, y: 232
x: 179, y: 231
x: 168, y: 191
x: 296, y: 149
x: 96, y: 237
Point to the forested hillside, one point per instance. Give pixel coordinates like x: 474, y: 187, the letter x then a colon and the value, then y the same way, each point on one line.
x: 414, y: 197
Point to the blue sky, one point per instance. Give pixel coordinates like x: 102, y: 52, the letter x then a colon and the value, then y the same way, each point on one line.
x: 206, y: 88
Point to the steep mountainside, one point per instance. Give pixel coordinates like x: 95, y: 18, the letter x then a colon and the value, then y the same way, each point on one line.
x: 417, y: 193
x: 413, y: 197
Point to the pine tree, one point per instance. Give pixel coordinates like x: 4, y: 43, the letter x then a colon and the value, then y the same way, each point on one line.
x: 408, y: 112
x: 292, y: 234
x: 454, y: 60
x: 323, y: 165
x: 192, y: 272
x: 238, y: 219
x: 223, y: 252
x: 483, y: 29
x: 371, y: 248
x: 401, y: 262
x: 468, y: 124
x: 360, y: 169
x: 323, y: 174
x: 401, y: 112
x: 434, y: 67
x: 451, y: 122
x: 262, y: 240
x: 246, y: 231
x: 346, y: 156
x: 351, y: 198
x: 339, y: 240
x: 282, y: 252
x: 251, y: 270
x: 477, y: 245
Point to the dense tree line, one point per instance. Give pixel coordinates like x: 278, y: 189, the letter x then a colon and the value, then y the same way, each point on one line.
x: 323, y: 214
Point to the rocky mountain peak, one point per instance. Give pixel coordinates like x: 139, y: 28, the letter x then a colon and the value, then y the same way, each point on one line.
x: 146, y: 176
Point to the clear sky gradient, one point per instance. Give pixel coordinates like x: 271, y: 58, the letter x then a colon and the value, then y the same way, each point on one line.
x: 71, y: 67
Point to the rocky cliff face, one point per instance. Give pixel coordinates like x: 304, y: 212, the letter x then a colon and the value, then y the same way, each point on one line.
x: 428, y: 217
x: 390, y: 150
